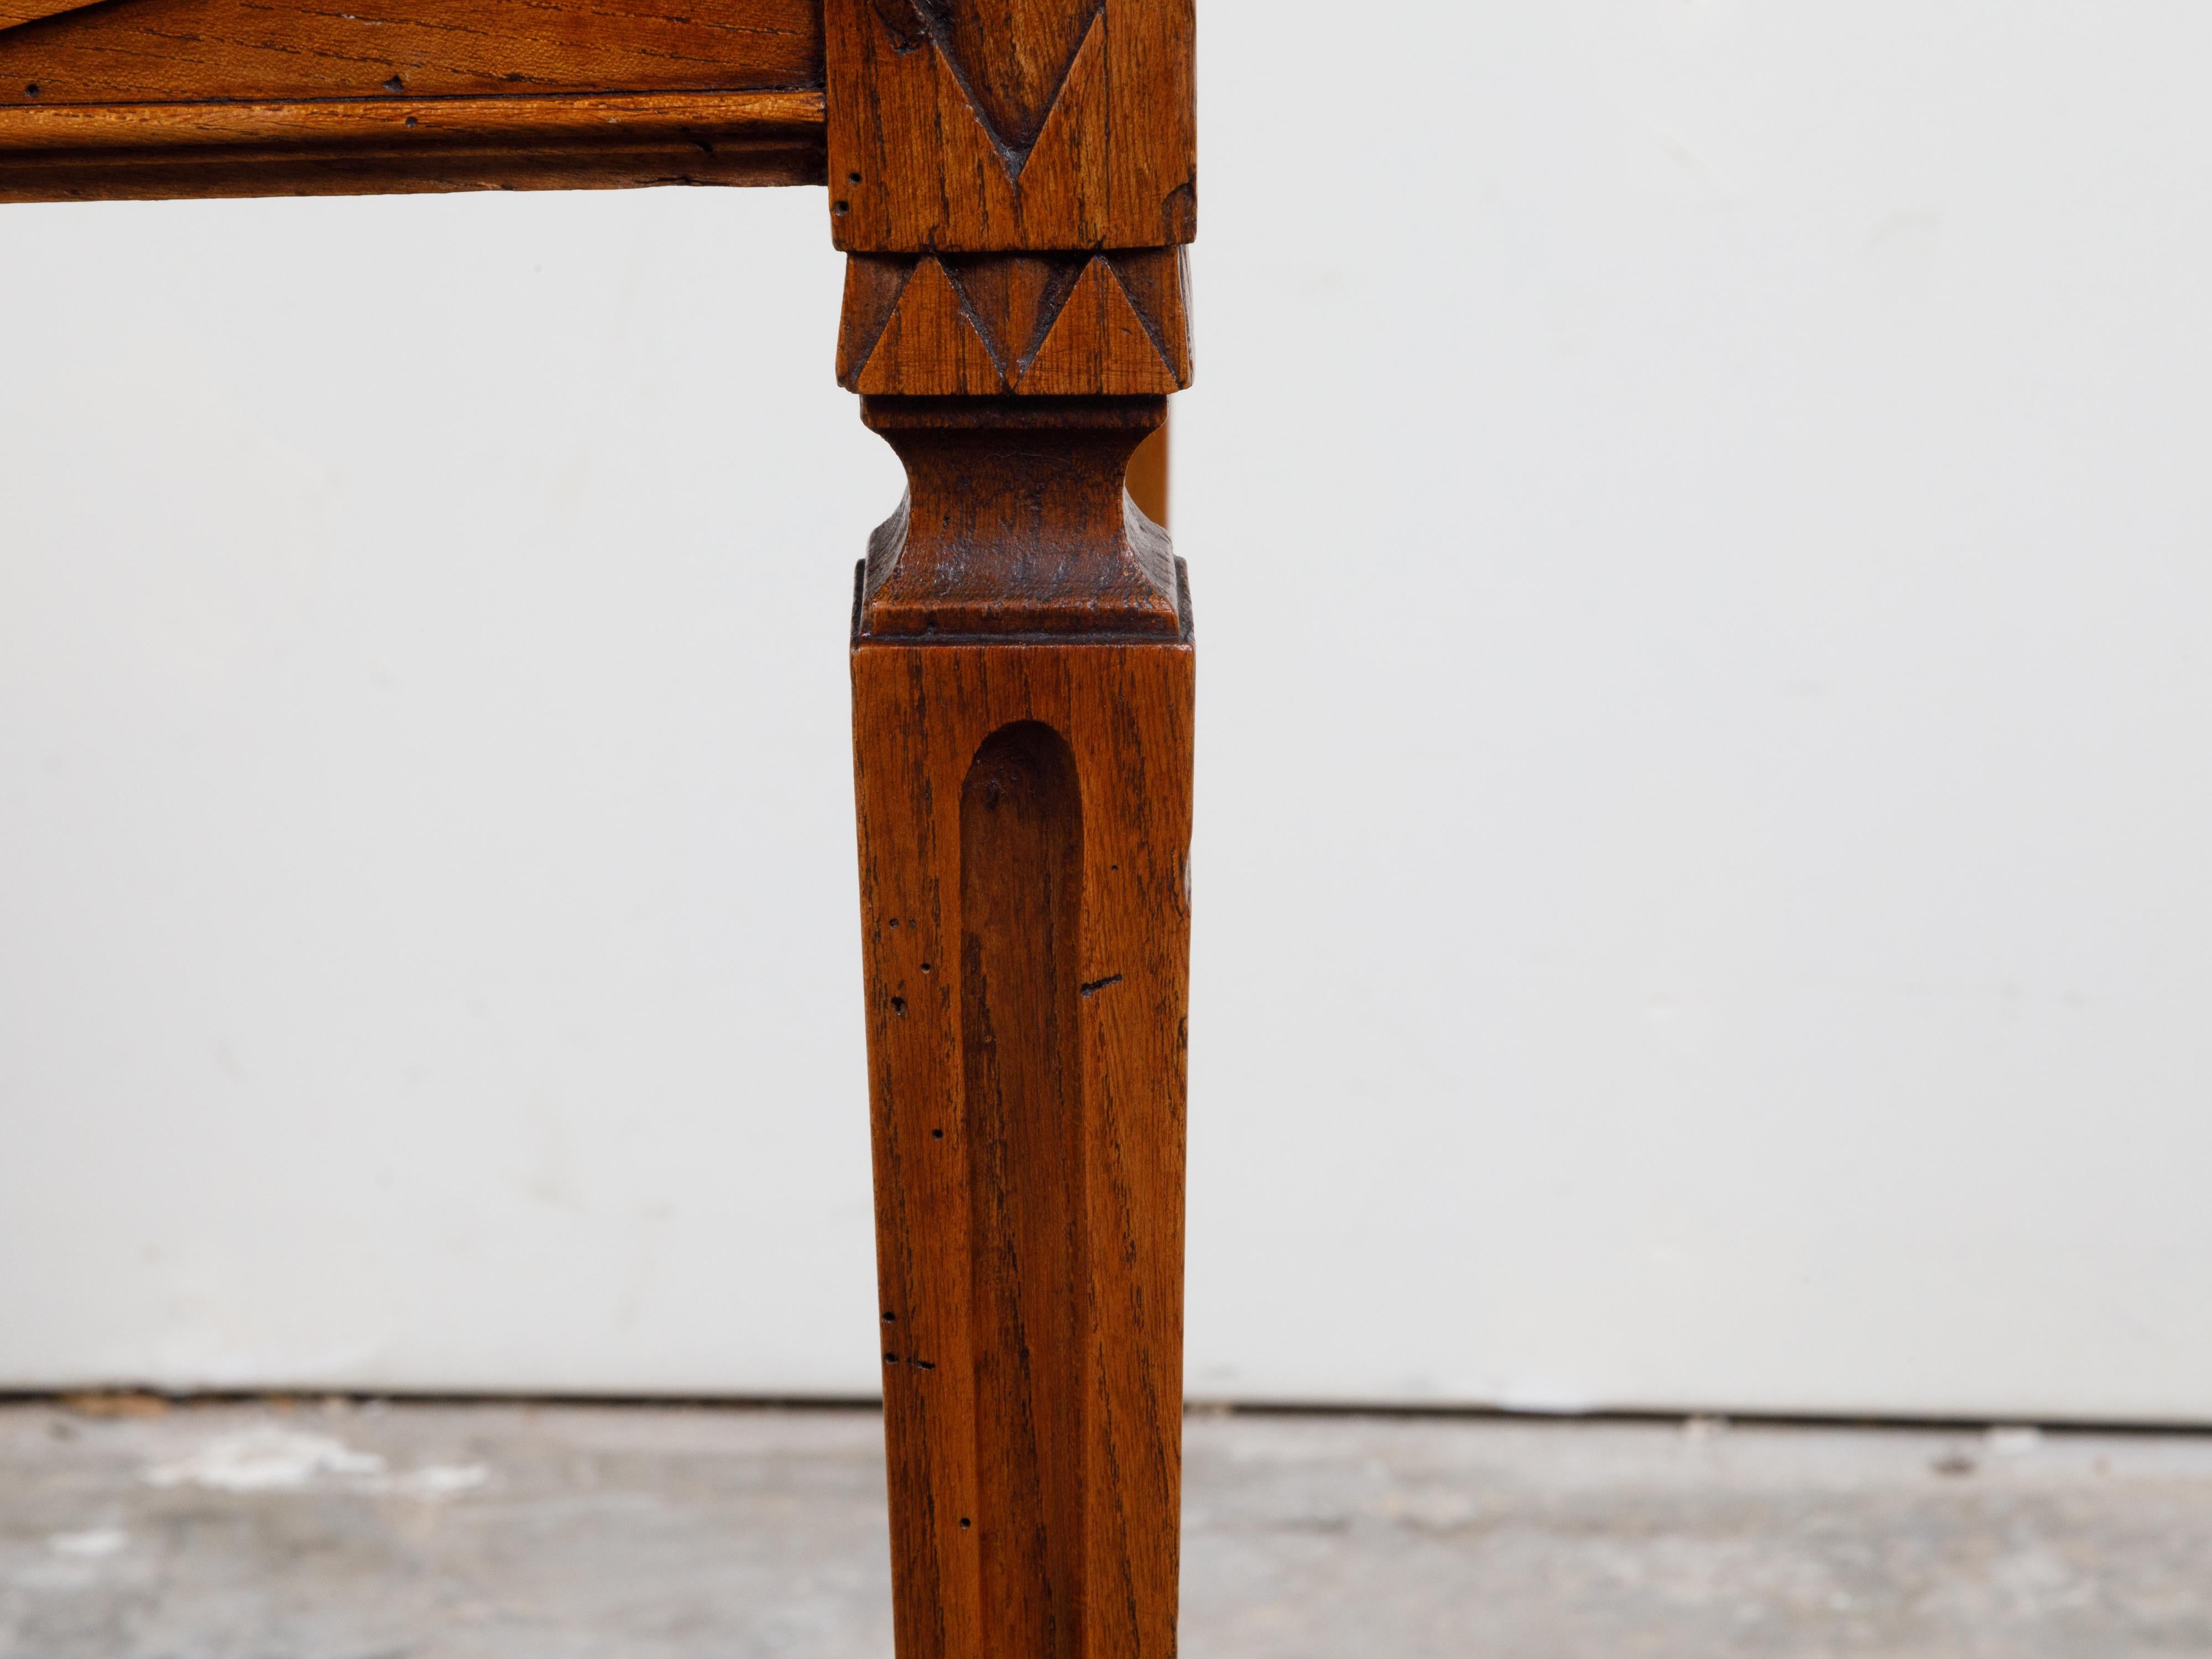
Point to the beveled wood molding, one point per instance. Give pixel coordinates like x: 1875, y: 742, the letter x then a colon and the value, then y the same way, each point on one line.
x: 154, y: 98
x: 356, y: 146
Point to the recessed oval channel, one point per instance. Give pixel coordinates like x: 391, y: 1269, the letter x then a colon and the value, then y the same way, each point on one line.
x: 1021, y: 881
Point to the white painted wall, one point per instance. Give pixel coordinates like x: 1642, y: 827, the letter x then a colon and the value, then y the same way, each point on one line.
x: 1705, y: 579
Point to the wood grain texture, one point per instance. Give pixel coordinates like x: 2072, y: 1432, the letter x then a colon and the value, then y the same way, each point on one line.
x: 146, y: 52
x: 1017, y: 520
x: 1022, y: 682
x: 1024, y: 818
x: 1109, y: 324
x: 1011, y: 126
x: 148, y: 98
x: 1021, y: 921
x: 12, y: 12
x: 90, y: 152
x: 1149, y: 471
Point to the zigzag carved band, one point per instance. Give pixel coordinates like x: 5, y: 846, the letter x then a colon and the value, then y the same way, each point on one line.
x: 1081, y: 324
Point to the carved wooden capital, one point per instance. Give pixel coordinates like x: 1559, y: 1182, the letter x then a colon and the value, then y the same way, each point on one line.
x: 1017, y: 522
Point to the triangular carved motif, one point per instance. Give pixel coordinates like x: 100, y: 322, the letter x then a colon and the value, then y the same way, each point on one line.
x: 14, y: 12
x: 1098, y: 345
x: 930, y: 347
x: 1081, y: 324
x: 1010, y: 57
x: 1013, y: 301
x: 873, y: 287
x: 905, y: 22
x: 1155, y: 282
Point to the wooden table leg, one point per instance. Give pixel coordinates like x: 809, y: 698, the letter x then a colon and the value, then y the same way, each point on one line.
x: 1022, y: 701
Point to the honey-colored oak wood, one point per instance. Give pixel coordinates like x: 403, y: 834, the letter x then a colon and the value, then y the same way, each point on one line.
x: 1114, y: 325
x: 392, y: 145
x: 1011, y: 126
x: 1022, y: 707
x: 146, y: 52
x: 1149, y: 470
x: 1025, y: 817
x: 148, y: 98
x: 1017, y: 522
x: 14, y: 12
x: 1015, y: 179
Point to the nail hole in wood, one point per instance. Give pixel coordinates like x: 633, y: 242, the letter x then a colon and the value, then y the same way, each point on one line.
x: 395, y: 84
x: 899, y: 1006
x: 937, y: 1134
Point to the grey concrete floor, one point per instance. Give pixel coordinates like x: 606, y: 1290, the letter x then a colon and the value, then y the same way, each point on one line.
x: 349, y: 1531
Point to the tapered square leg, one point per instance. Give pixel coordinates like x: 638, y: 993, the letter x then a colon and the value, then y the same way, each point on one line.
x: 1025, y: 817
